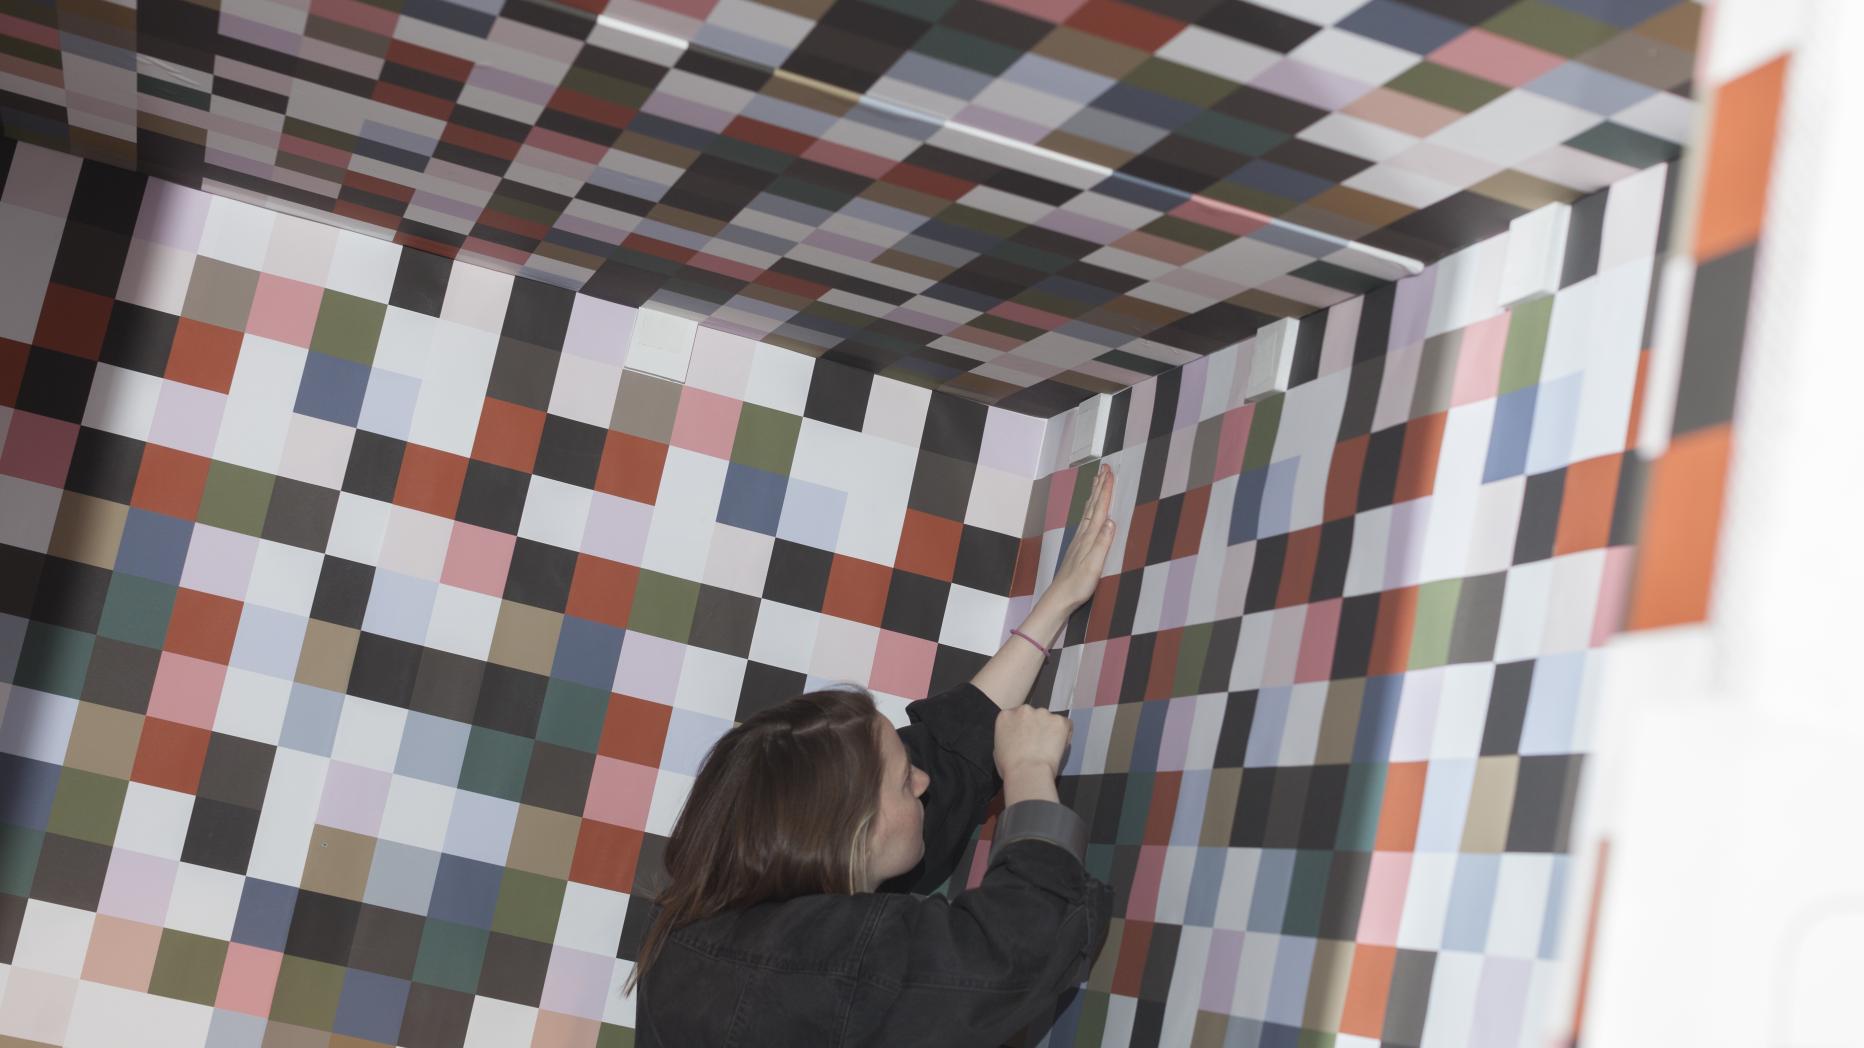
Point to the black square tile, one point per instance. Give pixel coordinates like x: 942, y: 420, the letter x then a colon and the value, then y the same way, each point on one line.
x: 19, y: 580
x: 941, y: 486
x: 104, y: 465
x: 1352, y: 644
x: 322, y: 927
x: 89, y: 258
x: 1362, y: 397
x: 12, y: 916
x: 1508, y: 692
x: 386, y: 941
x: 138, y: 338
x: 342, y: 592
x: 1718, y: 315
x: 71, y: 594
x: 493, y: 497
x: 1546, y: 788
x: 220, y: 835
x: 570, y: 451
x: 1540, y: 516
x: 236, y: 770
x: 421, y: 282
x: 121, y: 675
x: 798, y: 575
x: 724, y: 621
x: 765, y: 686
x: 540, y: 575
x: 374, y: 466
x: 523, y: 373
x: 299, y: 514
x: 384, y: 669
x: 510, y: 700
x: 447, y: 685
x: 838, y: 395
x: 1378, y: 479
x: 915, y: 605
x: 70, y: 871
x: 538, y: 313
x: 109, y: 198
x: 558, y: 778
x: 986, y: 560
x: 56, y: 385
x: 954, y: 427
x: 514, y: 969
x: 1259, y: 25
x: 953, y: 666
x: 1332, y: 559
x: 1585, y: 232
x: 436, y: 1017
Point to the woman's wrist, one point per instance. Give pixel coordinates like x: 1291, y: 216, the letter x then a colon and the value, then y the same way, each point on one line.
x: 1028, y: 782
x: 1047, y: 618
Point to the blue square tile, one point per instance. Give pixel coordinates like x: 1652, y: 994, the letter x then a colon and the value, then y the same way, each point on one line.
x: 26, y: 790
x: 753, y: 499
x: 812, y: 514
x: 587, y: 652
x: 465, y: 891
x: 1508, y: 434
x: 311, y: 720
x: 154, y: 545
x: 371, y: 1006
x: 388, y: 406
x: 432, y: 748
x: 264, y: 915
x: 332, y: 388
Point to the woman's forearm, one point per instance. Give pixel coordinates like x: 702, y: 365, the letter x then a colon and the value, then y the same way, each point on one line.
x: 1011, y: 672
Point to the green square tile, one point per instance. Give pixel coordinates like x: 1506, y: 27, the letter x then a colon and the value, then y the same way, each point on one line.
x: 307, y: 992
x: 766, y: 438
x: 187, y: 967
x: 1092, y: 1026
x: 236, y: 498
x: 1262, y: 429
x: 1135, y: 806
x: 87, y: 806
x: 1527, y: 344
x: 1359, y: 815
x: 495, y: 764
x: 612, y: 1036
x: 1550, y: 28
x: 964, y: 49
x: 348, y: 327
x: 1193, y: 650
x: 573, y: 715
x: 1620, y: 143
x: 1306, y: 893
x: 19, y: 858
x: 1446, y: 87
x: 54, y: 659
x: 664, y: 606
x: 137, y: 610
x: 1228, y: 132
x: 1165, y: 77
x: 450, y: 955
x: 1436, y: 615
x: 528, y: 905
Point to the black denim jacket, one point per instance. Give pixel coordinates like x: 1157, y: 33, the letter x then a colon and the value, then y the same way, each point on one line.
x: 894, y: 967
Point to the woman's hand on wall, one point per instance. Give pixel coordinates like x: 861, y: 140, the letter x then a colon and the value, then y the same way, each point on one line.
x: 1078, y: 573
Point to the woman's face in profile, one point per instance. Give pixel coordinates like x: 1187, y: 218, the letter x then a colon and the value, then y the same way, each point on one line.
x: 897, y: 840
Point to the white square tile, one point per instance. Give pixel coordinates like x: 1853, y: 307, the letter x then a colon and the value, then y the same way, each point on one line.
x: 709, y: 683
x: 316, y: 451
x: 739, y: 560
x: 236, y: 232
x: 154, y: 275
x: 591, y: 919
x: 585, y: 390
x: 1350, y: 55
x: 284, y: 577
x: 476, y: 297
x: 779, y: 379
x: 406, y: 341
x: 496, y: 1023
x: 416, y: 812
x: 670, y: 791
x: 205, y: 901
x: 369, y: 733
x: 287, y: 817
x: 844, y: 650
x: 154, y: 821
x: 679, y: 535
x: 784, y: 636
x: 415, y: 543
x: 122, y: 401
x: 999, y: 501
x: 53, y: 938
x: 464, y: 621
x: 896, y: 411
x: 364, y: 266
x: 357, y: 528
x: 555, y: 513
x: 252, y: 706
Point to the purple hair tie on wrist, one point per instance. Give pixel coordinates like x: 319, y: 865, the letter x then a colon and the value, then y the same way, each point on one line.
x: 1038, y: 645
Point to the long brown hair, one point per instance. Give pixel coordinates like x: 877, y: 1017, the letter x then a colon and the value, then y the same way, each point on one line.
x: 781, y: 807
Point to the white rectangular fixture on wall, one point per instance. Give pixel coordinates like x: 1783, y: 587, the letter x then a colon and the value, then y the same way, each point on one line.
x: 1087, y: 428
x: 662, y: 344
x: 1536, y: 253
x: 1273, y: 361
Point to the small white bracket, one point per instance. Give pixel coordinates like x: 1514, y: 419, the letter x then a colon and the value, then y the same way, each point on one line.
x: 1273, y: 361
x: 1087, y: 428
x: 1536, y: 253
x: 662, y: 344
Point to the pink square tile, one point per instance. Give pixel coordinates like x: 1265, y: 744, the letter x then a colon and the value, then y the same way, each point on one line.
x: 1479, y: 360
x: 649, y: 668
x: 1232, y: 440
x: 354, y: 798
x: 576, y: 983
x: 247, y: 981
x: 620, y: 792
x: 284, y: 309
x: 902, y: 665
x: 1495, y: 58
x: 1112, y: 671
x: 1143, y: 903
x: 599, y: 330
x: 1060, y: 496
x: 1315, y: 662
x: 557, y: 1030
x: 1614, y: 592
x: 137, y: 887
x: 38, y: 448
x: 706, y: 423
x: 1386, y: 880
x: 187, y: 690
x: 122, y: 953
x: 173, y: 215
x: 478, y: 559
x: 187, y: 418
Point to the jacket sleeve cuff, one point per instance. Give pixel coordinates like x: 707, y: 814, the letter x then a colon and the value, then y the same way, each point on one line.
x: 962, y: 720
x: 1041, y: 821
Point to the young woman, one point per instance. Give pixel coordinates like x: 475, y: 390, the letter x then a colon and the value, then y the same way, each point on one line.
x: 790, y: 914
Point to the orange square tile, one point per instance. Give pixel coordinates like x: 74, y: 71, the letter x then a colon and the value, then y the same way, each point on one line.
x: 170, y: 755
x: 1391, y: 638
x: 508, y: 435
x: 1135, y: 946
x: 1733, y: 203
x: 170, y: 482
x: 1100, y: 612
x: 1417, y: 462
x: 928, y: 545
x: 1164, y: 668
x: 1400, y: 809
x: 1366, y: 991
x: 1342, y: 496
x: 1297, y: 573
x: 1191, y: 515
x: 1138, y: 535
x: 1586, y: 505
x: 857, y: 590
x: 635, y: 730
x: 203, y: 626
x: 1128, y: 24
x: 1028, y: 565
x: 602, y: 590
x: 430, y: 480
x: 1164, y: 807
x: 631, y: 467
x: 203, y: 355
x: 1682, y: 523
x: 73, y: 321
x: 606, y: 856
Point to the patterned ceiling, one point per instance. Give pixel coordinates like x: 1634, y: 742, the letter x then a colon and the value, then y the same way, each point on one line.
x: 1024, y: 201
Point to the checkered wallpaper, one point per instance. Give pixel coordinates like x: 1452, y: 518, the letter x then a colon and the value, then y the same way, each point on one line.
x: 1332, y: 702
x: 841, y: 176
x: 363, y: 622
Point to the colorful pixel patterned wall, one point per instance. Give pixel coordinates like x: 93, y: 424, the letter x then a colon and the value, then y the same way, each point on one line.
x: 785, y: 166
x: 1332, y: 703
x: 362, y: 623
